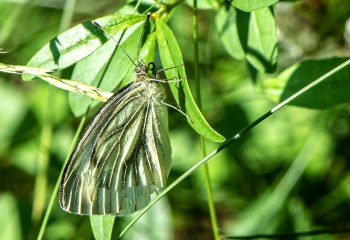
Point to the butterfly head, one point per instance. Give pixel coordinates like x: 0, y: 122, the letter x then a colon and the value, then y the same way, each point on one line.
x: 143, y: 69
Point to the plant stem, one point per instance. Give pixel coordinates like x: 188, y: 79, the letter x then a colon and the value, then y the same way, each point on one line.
x: 201, y: 139
x: 42, y: 163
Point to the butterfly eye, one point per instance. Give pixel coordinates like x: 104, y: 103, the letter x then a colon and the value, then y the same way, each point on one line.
x: 150, y: 66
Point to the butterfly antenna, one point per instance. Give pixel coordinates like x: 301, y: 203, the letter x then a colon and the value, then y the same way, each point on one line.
x: 100, y: 27
x: 143, y: 31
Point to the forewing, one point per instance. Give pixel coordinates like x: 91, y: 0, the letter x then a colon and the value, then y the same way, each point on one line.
x: 123, y: 156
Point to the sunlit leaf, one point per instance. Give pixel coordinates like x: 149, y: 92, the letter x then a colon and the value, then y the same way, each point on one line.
x: 226, y: 24
x: 116, y: 70
x: 251, y: 35
x: 257, y: 32
x: 252, y: 5
x: 171, y: 56
x: 80, y: 41
x: 102, y: 226
x: 332, y: 91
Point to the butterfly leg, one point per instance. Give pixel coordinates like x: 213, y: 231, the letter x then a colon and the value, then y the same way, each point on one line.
x: 177, y: 109
x: 167, y: 80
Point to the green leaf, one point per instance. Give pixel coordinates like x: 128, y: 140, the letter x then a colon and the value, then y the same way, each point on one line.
x: 171, y: 56
x: 120, y: 71
x: 332, y: 91
x: 226, y: 24
x: 89, y: 71
x: 252, y: 5
x: 102, y: 226
x: 257, y: 32
x: 110, y: 66
x: 159, y: 215
x: 80, y: 41
x: 251, y: 35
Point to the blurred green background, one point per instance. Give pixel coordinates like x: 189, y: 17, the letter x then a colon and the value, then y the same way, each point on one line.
x: 289, y: 174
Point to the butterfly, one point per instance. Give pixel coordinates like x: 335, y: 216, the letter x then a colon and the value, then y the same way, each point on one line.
x: 124, y: 155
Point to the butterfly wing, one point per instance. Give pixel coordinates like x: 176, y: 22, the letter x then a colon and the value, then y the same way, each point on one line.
x: 123, y: 156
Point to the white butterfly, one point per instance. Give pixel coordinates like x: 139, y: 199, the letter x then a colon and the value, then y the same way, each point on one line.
x: 124, y: 154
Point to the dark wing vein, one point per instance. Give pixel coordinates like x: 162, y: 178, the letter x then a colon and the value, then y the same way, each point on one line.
x: 123, y: 156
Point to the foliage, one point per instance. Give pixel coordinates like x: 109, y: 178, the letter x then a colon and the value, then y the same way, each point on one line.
x: 287, y: 175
